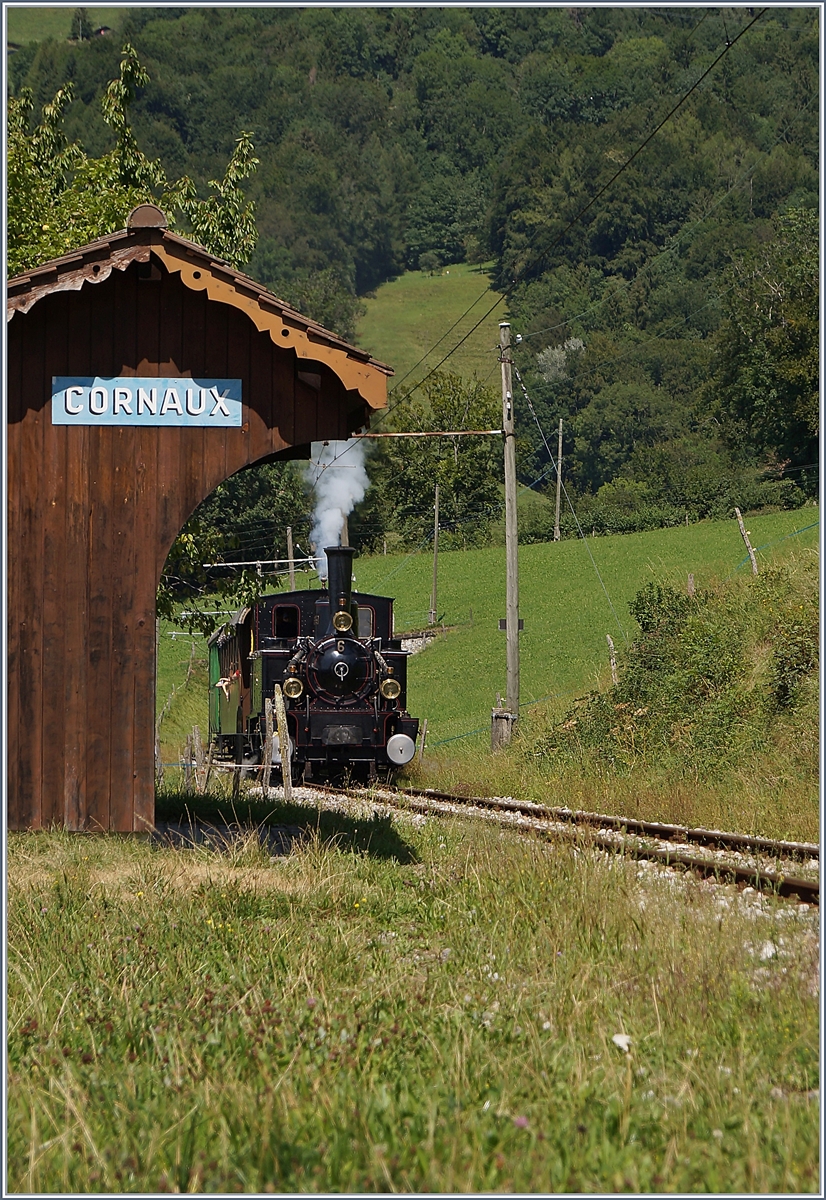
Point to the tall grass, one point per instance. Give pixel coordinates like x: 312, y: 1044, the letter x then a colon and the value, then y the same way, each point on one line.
x: 436, y: 1018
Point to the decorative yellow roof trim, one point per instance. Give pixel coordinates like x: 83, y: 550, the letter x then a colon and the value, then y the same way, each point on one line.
x: 369, y: 380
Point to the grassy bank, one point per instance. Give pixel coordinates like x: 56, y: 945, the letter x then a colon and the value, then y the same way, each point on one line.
x: 401, y: 1006
x: 408, y: 316
x: 566, y: 610
x: 37, y: 23
x: 714, y: 720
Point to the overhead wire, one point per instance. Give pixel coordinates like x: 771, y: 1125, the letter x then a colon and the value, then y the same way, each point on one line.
x: 570, y: 503
x: 559, y: 236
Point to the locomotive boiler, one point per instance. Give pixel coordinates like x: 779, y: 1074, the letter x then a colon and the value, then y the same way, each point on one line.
x: 342, y: 673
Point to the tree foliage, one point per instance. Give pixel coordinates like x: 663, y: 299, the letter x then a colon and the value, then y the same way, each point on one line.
x: 399, y: 138
x: 767, y: 371
x: 405, y: 471
x: 60, y: 198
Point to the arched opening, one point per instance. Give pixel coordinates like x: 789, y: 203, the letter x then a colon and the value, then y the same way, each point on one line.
x: 94, y: 506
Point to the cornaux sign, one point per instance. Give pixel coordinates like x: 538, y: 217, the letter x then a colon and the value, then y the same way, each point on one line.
x: 214, y: 403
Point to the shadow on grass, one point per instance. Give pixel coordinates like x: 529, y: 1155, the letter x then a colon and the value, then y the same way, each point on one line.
x: 374, y: 835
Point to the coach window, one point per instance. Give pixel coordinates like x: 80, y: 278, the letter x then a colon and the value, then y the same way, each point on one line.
x: 366, y: 622
x: 285, y: 621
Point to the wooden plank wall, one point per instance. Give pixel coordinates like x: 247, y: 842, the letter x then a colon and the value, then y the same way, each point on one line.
x: 92, y: 515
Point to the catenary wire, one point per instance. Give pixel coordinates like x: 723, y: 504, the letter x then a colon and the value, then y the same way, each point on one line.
x: 570, y: 504
x: 558, y: 238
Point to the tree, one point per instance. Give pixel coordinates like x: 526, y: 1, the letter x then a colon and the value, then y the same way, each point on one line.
x: 468, y: 470
x: 244, y: 520
x: 766, y: 383
x: 59, y: 198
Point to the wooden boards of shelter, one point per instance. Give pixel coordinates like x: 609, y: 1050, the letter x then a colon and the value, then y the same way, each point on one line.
x: 93, y: 512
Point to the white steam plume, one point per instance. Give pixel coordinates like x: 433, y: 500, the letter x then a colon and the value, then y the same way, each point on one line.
x: 339, y: 479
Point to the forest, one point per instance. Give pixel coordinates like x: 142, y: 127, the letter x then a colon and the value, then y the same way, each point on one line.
x: 665, y: 287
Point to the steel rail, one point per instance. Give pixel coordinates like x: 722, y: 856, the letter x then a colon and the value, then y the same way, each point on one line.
x: 538, y: 817
x: 684, y: 833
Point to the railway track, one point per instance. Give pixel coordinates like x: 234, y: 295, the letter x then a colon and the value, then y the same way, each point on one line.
x: 760, y: 863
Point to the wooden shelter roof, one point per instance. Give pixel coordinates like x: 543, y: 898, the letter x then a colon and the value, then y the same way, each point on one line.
x: 146, y: 235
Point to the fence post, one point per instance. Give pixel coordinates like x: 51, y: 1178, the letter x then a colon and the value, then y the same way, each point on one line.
x: 422, y: 739
x: 188, y: 762
x: 613, y: 657
x: 200, y: 761
x: 284, y: 743
x: 744, y: 532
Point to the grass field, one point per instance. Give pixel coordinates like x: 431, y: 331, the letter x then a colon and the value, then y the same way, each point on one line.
x: 408, y: 315
x: 400, y: 1006
x: 35, y: 24
x: 567, y: 615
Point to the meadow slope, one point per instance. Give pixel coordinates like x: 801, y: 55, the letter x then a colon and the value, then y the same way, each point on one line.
x: 567, y: 615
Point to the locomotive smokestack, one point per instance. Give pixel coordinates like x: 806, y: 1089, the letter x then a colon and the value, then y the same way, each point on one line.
x: 339, y: 582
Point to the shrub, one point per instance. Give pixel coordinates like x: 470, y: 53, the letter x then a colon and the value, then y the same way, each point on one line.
x: 709, y: 679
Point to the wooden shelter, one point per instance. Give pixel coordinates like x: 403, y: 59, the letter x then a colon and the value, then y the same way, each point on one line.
x: 93, y: 507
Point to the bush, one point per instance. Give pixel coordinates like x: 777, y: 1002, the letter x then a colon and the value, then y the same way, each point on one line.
x: 710, y: 678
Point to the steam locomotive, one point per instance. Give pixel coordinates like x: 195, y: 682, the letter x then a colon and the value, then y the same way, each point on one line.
x: 342, y: 673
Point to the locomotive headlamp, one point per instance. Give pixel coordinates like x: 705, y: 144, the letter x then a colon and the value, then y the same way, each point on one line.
x: 342, y: 621
x: 391, y: 689
x: 293, y: 688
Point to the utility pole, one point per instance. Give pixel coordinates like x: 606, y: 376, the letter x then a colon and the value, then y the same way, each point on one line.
x: 557, y: 534
x: 290, y: 557
x: 432, y: 614
x: 511, y: 535
x: 345, y: 533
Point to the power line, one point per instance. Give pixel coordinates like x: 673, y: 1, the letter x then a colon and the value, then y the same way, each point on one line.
x: 570, y: 505
x: 574, y: 221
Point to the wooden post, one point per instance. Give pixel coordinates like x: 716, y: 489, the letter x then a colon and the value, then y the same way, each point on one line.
x: 208, y: 771
x: 501, y: 726
x: 744, y: 532
x: 511, y: 533
x: 283, y: 742
x: 432, y: 614
x: 385, y: 545
x: 265, y: 782
x: 612, y: 657
x: 200, y: 761
x: 557, y: 534
x: 422, y: 739
x: 291, y: 560
x: 188, y: 763
x: 691, y: 588
x: 345, y: 533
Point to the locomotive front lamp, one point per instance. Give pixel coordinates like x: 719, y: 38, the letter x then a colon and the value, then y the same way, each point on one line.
x: 391, y: 689
x: 293, y: 688
x: 342, y: 621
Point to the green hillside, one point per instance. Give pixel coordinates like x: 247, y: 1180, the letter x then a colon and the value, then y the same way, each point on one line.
x: 36, y: 24
x: 406, y: 317
x: 566, y: 612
